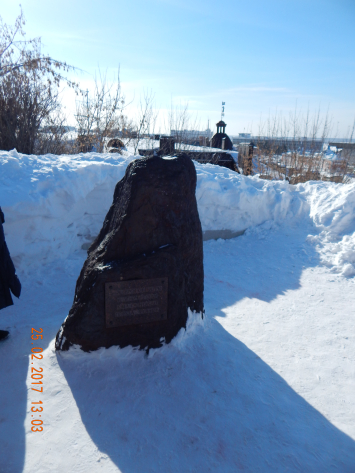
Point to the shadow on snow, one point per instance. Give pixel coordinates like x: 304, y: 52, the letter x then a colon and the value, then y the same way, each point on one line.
x: 261, y: 264
x: 13, y: 398
x: 212, y: 405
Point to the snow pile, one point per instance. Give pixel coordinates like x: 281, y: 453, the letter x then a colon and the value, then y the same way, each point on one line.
x: 227, y: 200
x: 331, y: 153
x: 333, y: 213
x: 183, y: 341
x: 55, y: 205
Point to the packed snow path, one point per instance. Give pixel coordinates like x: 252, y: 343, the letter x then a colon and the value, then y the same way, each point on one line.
x: 265, y: 383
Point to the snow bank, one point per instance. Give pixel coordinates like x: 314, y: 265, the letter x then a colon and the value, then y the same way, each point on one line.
x: 333, y: 213
x: 227, y: 200
x: 54, y: 205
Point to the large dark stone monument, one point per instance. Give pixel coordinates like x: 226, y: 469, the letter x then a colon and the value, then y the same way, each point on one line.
x: 145, y: 268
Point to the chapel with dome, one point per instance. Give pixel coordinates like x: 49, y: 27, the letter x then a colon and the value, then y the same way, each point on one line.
x: 220, y: 138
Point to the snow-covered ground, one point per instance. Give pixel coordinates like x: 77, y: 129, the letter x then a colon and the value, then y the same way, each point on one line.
x: 265, y: 383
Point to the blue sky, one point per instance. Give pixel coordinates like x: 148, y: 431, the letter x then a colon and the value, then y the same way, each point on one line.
x: 261, y: 57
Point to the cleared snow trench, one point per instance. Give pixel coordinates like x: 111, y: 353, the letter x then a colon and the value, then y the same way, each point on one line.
x: 264, y: 383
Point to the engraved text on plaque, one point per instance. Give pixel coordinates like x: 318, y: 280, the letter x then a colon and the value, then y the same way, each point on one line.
x: 136, y: 302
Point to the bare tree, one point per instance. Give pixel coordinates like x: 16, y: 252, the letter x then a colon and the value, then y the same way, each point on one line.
x: 18, y: 54
x: 183, y: 126
x: 292, y: 147
x: 25, y: 103
x: 54, y: 136
x: 29, y: 84
x: 100, y: 116
x: 145, y: 124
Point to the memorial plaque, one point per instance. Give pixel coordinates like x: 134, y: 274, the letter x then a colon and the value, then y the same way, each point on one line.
x: 136, y: 302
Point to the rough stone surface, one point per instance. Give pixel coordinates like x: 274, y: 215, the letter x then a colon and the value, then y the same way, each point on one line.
x: 152, y: 230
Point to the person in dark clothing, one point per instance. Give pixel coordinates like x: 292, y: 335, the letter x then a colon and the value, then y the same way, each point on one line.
x: 8, y: 278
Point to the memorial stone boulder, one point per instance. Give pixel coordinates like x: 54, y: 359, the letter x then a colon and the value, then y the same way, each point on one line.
x: 145, y: 268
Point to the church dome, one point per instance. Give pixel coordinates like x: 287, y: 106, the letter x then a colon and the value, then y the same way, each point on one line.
x: 217, y: 141
x: 217, y: 138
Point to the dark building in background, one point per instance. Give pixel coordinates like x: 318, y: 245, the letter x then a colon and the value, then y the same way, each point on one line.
x: 220, y: 139
x: 167, y: 148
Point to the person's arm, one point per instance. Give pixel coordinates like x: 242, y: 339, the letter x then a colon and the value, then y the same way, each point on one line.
x: 7, y: 268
